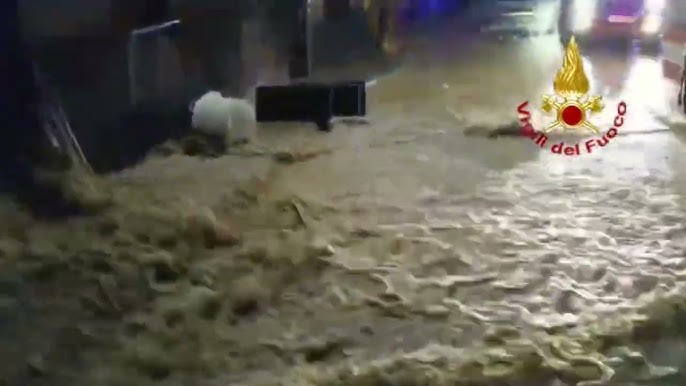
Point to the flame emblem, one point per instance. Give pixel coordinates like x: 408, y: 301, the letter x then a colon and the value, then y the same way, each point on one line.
x: 571, y: 102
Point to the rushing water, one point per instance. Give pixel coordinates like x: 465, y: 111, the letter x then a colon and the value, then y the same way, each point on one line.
x: 449, y: 235
x: 422, y: 240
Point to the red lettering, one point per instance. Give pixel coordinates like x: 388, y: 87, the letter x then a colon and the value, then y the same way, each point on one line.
x: 621, y: 108
x: 603, y: 141
x: 524, y: 115
x: 541, y: 140
x: 589, y: 145
x: 619, y: 121
x: 528, y: 131
x: 523, y: 111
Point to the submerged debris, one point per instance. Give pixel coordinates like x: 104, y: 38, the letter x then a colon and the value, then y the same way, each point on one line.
x: 36, y: 365
x: 290, y: 157
x: 512, y: 129
x: 74, y: 191
x: 196, y: 285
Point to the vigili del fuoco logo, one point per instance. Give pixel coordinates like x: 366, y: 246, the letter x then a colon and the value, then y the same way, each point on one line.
x: 572, y: 109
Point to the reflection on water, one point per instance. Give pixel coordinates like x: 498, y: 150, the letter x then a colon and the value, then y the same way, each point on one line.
x: 521, y: 236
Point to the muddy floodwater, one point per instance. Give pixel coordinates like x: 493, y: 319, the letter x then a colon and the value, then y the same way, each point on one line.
x: 397, y: 252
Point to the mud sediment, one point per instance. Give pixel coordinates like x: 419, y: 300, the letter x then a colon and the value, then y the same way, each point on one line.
x: 175, y: 283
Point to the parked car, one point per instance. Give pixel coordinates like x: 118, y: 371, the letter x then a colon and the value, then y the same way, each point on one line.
x: 602, y: 20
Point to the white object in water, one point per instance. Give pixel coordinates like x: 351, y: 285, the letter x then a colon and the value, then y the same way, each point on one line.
x: 232, y: 118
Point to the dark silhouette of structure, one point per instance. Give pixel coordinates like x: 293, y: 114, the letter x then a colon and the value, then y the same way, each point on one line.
x: 20, y: 128
x: 84, y: 57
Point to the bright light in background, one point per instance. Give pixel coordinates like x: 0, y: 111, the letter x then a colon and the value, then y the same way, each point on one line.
x: 645, y: 78
x: 588, y: 69
x: 621, y: 19
x: 583, y: 13
x: 651, y: 24
x: 655, y: 6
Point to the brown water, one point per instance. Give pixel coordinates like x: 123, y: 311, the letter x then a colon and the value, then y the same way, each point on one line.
x: 412, y: 239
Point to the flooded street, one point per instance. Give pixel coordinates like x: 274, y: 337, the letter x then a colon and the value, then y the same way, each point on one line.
x: 453, y: 234
x: 424, y: 256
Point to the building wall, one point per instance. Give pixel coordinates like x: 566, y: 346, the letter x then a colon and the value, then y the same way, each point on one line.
x: 65, y: 17
x: 75, y: 46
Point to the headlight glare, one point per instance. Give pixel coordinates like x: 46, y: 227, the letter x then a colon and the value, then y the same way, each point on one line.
x: 582, y: 15
x: 655, y: 6
x: 651, y: 25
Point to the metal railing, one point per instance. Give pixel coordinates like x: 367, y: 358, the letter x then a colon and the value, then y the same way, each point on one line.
x: 55, y: 122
